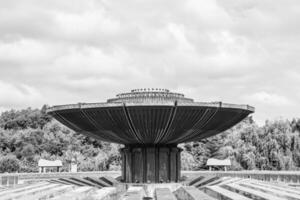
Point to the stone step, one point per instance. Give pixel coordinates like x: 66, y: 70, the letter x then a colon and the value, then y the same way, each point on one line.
x: 231, y: 180
x: 294, y: 185
x: 191, y: 193
x: 134, y: 193
x: 272, y: 191
x: 106, y: 193
x: 79, y: 193
x: 23, y: 188
x: 278, y: 187
x: 85, y: 182
x: 164, y: 194
x: 59, y: 190
x: 206, y: 181
x: 97, y: 181
x: 33, y: 191
x: 57, y: 181
x: 192, y: 182
x: 70, y: 181
x: 218, y: 192
x: 111, y: 181
x: 251, y: 193
x: 89, y: 193
x: 105, y: 182
x: 222, y: 180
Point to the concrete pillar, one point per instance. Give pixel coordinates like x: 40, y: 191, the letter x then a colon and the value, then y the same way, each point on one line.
x: 150, y: 164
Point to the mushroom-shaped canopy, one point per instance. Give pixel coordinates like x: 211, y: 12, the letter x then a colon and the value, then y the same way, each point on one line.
x: 150, y: 116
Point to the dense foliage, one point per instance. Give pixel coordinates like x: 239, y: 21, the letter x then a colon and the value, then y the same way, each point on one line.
x: 30, y: 134
x: 274, y: 146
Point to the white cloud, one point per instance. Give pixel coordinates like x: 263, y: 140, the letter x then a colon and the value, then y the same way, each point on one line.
x: 238, y: 51
x: 269, y: 99
x: 18, y: 96
x: 86, y: 25
x: 26, y: 51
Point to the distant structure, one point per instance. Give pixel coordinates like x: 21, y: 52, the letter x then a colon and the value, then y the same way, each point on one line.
x: 73, y: 166
x: 46, y: 165
x: 212, y: 162
x: 150, y: 123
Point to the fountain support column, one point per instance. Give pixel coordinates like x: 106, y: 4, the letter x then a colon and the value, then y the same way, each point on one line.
x: 151, y: 164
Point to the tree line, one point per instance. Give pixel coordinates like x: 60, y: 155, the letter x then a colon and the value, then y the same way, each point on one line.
x: 30, y: 134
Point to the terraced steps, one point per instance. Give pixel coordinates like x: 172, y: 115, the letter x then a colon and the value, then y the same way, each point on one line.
x: 277, y: 193
x: 107, y: 188
x: 55, y: 191
x: 203, y: 181
x: 100, y: 182
x: 218, y: 192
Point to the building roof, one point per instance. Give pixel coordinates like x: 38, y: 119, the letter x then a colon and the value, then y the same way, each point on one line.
x: 149, y: 117
x: 217, y: 162
x: 49, y: 163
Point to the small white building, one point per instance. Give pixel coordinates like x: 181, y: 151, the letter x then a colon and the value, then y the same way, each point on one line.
x: 212, y: 162
x: 49, y: 165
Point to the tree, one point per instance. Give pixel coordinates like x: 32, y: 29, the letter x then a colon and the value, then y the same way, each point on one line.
x: 9, y: 164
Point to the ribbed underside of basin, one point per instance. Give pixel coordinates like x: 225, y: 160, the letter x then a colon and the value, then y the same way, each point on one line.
x: 150, y: 123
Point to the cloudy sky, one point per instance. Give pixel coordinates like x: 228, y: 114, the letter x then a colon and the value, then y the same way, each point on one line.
x: 235, y: 51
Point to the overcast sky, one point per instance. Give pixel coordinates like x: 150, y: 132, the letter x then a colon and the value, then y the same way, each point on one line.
x: 235, y: 51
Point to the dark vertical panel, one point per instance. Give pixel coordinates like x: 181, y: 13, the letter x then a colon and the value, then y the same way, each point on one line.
x: 156, y: 152
x: 173, y: 164
x: 178, y: 165
x: 123, y: 166
x: 128, y: 166
x: 137, y: 165
x: 163, y: 164
x: 150, y: 164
